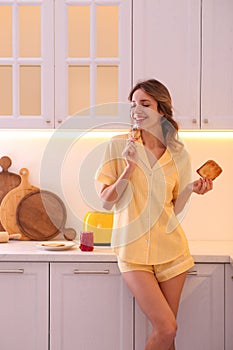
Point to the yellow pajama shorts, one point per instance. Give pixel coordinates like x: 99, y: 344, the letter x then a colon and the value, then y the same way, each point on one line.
x: 162, y: 272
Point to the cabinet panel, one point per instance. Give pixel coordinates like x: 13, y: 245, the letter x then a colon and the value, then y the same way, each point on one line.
x: 188, y: 46
x: 29, y: 31
x: 91, y: 308
x: 217, y: 68
x: 6, y: 90
x: 228, y: 307
x: 27, y: 65
x: 106, y: 56
x: 166, y: 46
x: 24, y: 298
x: 6, y: 31
x: 201, y: 312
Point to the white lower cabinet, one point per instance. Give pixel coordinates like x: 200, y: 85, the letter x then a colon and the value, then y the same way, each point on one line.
x: 91, y: 308
x: 229, y: 307
x: 201, y: 313
x: 24, y: 306
x: 87, y: 306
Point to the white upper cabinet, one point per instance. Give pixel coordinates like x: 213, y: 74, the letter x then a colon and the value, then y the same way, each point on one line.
x: 71, y: 63
x: 92, y: 62
x: 217, y: 64
x: 64, y: 58
x: 166, y: 37
x: 188, y: 45
x: 26, y: 64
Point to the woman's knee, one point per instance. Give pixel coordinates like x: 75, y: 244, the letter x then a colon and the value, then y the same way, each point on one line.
x: 165, y: 333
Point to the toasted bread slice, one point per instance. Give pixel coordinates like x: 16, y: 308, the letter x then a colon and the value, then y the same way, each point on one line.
x: 209, y: 170
x: 53, y: 244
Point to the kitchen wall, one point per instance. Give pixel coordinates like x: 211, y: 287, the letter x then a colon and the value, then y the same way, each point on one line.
x: 65, y: 163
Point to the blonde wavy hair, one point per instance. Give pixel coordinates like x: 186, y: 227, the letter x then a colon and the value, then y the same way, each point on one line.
x: 161, y: 95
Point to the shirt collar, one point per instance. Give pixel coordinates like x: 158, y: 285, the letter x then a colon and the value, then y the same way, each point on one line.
x: 162, y: 161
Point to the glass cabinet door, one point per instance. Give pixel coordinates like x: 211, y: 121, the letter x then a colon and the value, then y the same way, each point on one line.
x: 64, y: 58
x: 26, y: 64
x: 92, y: 61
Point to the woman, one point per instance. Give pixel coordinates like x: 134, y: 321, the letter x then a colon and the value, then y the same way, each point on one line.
x: 146, y: 177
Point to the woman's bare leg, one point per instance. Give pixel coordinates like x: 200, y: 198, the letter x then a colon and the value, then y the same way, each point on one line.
x: 151, y: 300
x: 172, y: 290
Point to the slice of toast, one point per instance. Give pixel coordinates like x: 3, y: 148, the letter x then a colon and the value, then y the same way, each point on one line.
x: 209, y: 170
x: 53, y: 244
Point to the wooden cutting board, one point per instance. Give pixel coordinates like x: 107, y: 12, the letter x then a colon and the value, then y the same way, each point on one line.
x: 10, y: 202
x: 41, y: 215
x: 8, y: 180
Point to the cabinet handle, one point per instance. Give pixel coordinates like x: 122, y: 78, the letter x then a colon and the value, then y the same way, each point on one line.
x: 206, y: 121
x: 194, y: 121
x: 12, y: 271
x: 192, y: 273
x: 94, y: 272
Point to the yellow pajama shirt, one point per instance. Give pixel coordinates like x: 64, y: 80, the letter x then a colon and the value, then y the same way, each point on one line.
x: 145, y: 228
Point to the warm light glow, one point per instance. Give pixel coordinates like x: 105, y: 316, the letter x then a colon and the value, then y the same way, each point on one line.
x: 206, y: 134
x: 10, y: 134
x: 43, y: 133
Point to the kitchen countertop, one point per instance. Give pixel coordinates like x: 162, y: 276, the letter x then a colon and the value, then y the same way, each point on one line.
x: 202, y: 251
x: 30, y: 251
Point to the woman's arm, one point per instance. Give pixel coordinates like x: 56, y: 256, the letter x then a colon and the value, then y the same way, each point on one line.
x: 200, y: 186
x: 110, y: 194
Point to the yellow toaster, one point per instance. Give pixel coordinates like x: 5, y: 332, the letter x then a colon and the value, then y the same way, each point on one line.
x: 101, y: 224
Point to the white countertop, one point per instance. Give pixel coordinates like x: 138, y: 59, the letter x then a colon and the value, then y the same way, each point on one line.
x: 30, y: 251
x: 202, y: 251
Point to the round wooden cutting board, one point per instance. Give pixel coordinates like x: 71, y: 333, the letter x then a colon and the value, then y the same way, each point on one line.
x: 10, y: 202
x: 41, y: 215
x: 8, y: 180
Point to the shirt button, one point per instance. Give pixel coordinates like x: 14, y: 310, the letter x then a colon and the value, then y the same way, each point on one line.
x: 146, y: 240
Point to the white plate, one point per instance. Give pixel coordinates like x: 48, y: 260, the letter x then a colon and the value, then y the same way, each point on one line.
x: 56, y: 245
